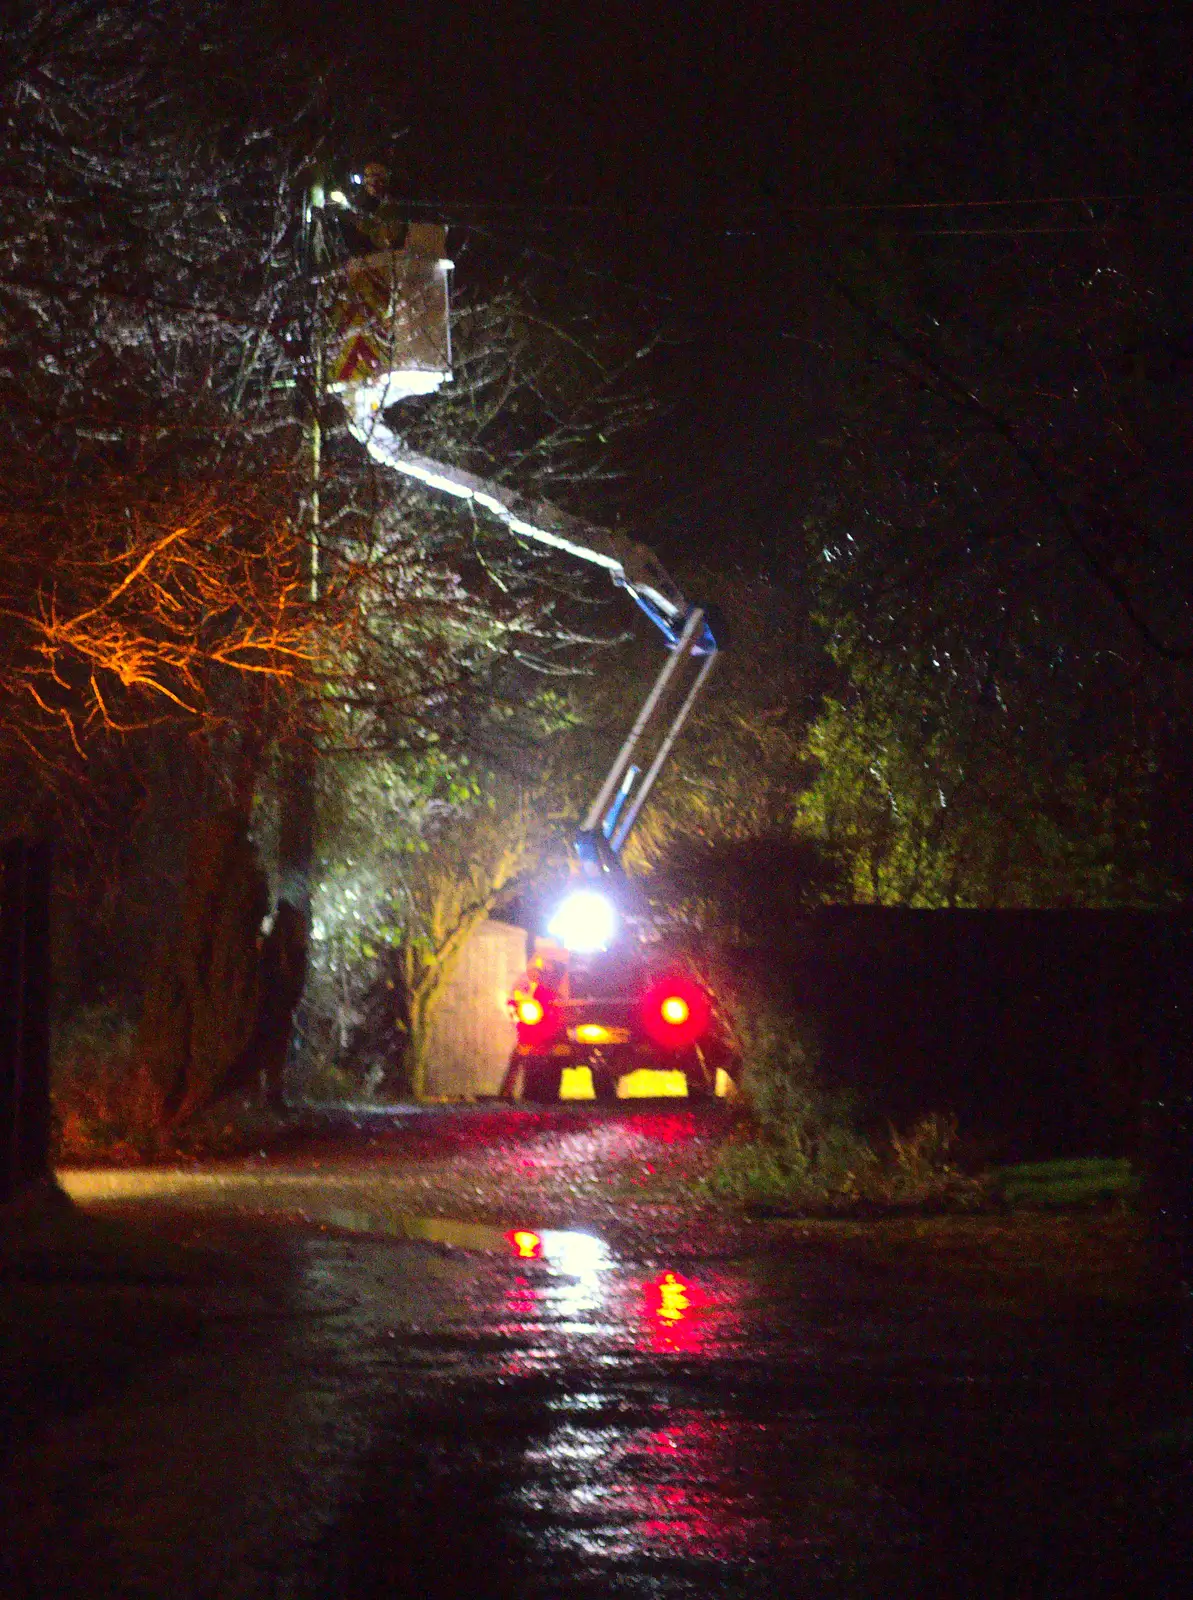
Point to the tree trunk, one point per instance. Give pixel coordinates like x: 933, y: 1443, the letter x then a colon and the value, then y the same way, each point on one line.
x: 283, y: 978
x: 287, y: 949
x: 202, y: 995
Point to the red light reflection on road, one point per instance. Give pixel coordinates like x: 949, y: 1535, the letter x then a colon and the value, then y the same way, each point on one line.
x: 674, y: 1312
x: 612, y: 1485
x: 665, y: 1489
x: 527, y: 1246
x: 687, y: 1510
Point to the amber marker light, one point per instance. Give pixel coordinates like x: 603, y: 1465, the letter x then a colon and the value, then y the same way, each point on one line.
x: 592, y: 1033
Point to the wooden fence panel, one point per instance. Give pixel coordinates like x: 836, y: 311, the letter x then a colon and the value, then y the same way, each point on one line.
x: 471, y: 1033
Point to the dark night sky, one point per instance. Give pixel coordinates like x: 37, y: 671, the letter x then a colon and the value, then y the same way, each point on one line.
x: 685, y: 122
x: 643, y: 103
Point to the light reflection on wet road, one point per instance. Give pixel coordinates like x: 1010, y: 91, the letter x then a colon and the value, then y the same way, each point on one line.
x: 582, y: 1425
x: 605, y: 1427
x: 443, y: 1410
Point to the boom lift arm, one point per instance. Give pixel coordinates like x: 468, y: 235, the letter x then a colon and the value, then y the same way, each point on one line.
x: 390, y: 340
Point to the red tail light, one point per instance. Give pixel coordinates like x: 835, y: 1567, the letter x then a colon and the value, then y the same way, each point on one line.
x: 675, y: 1012
x: 536, y: 1015
x: 527, y: 1246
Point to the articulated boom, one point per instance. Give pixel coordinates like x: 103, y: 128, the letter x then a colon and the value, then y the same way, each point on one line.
x: 631, y: 566
x: 389, y: 339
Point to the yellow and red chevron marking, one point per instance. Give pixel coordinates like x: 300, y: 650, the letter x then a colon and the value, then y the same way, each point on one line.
x: 359, y: 356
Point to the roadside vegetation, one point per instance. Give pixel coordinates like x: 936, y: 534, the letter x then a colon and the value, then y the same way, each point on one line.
x: 802, y: 1146
x: 288, y: 721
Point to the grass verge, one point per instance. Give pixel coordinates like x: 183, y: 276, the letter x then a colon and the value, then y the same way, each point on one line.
x: 1075, y: 1182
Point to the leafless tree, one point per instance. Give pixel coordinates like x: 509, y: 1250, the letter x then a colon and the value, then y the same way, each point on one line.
x: 158, y: 393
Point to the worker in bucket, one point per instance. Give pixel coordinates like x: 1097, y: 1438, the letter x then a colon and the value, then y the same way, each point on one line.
x: 374, y: 212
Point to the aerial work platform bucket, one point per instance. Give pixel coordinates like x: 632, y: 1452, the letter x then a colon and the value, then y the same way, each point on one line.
x: 388, y: 320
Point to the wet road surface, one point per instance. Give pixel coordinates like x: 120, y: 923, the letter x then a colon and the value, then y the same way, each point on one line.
x: 403, y: 1408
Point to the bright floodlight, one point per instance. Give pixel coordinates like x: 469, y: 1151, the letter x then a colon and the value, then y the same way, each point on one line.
x: 586, y: 921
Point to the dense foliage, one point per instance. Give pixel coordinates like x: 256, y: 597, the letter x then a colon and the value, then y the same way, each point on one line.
x: 999, y: 545
x: 200, y: 612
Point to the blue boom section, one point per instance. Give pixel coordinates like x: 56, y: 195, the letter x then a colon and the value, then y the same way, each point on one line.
x: 671, y: 630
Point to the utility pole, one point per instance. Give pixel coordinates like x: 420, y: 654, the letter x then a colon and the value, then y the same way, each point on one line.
x: 296, y: 832
x: 286, y: 950
x: 315, y: 257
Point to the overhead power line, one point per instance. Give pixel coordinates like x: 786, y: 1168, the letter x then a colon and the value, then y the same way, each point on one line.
x: 529, y: 221
x: 718, y: 222
x: 754, y: 211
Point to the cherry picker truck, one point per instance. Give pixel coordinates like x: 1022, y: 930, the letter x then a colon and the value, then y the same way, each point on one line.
x: 596, y: 1013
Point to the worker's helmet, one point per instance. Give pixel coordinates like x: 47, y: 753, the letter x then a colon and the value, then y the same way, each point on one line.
x: 376, y: 177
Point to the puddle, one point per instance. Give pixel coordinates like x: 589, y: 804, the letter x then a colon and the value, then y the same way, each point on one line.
x: 568, y: 1250
x: 311, y: 1199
